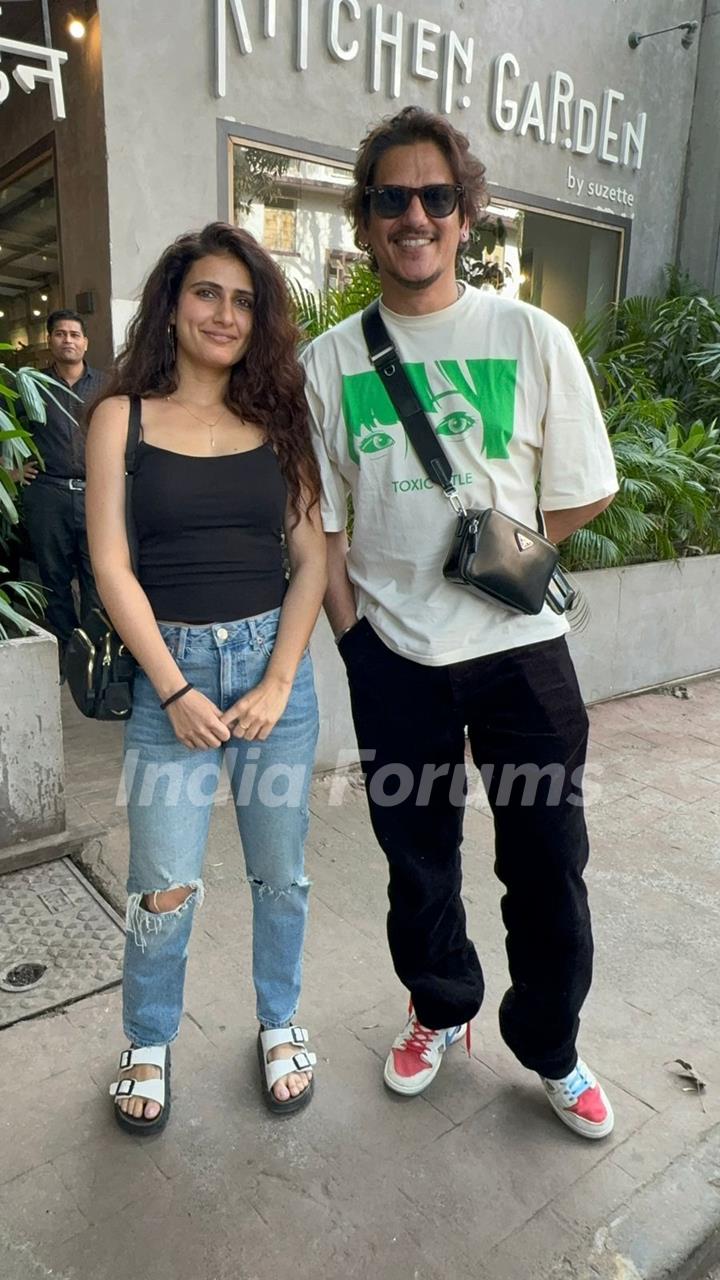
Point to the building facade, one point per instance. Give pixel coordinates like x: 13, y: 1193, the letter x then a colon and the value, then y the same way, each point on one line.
x: 601, y: 158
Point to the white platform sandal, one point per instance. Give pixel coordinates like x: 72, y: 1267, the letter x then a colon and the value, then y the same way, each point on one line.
x: 271, y: 1072
x: 157, y: 1090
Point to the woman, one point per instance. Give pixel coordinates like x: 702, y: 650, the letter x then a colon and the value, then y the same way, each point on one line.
x: 223, y: 465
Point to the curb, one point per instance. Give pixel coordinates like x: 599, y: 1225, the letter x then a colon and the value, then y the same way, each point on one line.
x: 668, y: 1230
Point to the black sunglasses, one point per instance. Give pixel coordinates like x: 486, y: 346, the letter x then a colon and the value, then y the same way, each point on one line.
x: 438, y: 201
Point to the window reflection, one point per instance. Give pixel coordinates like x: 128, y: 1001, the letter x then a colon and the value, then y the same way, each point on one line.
x: 292, y: 203
x: 29, y: 262
x: 293, y: 206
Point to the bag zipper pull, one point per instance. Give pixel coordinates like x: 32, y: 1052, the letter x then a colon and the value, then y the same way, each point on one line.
x: 473, y: 531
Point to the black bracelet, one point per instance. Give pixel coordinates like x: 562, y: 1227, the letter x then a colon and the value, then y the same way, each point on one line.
x: 174, y: 696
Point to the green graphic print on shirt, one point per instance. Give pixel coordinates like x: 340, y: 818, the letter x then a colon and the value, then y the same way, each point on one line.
x: 488, y: 387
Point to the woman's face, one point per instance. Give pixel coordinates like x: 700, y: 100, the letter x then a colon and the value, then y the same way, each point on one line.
x: 214, y: 314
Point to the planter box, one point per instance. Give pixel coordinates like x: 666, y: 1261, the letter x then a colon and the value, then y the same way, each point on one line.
x: 649, y: 624
x: 32, y: 772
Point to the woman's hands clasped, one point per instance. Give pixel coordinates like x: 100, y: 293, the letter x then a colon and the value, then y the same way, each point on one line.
x: 197, y: 721
x: 199, y: 724
x: 255, y: 715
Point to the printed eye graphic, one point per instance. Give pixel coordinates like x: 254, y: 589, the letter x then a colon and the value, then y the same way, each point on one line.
x: 377, y: 442
x: 456, y: 424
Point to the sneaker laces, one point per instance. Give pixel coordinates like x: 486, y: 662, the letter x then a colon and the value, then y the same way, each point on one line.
x: 419, y: 1028
x: 575, y: 1084
x: 419, y: 1040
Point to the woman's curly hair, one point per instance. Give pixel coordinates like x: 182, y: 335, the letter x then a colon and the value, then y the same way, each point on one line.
x: 266, y: 386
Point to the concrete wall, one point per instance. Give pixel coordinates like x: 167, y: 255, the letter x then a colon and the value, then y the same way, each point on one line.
x: 32, y: 770
x: 649, y: 624
x: 25, y: 120
x: 700, y: 231
x: 161, y: 108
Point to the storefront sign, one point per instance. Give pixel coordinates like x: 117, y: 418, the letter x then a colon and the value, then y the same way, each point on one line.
x: 392, y: 46
x: 434, y: 54
x: 560, y: 118
x: 28, y: 77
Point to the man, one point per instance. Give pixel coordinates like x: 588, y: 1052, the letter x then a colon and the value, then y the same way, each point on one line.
x: 509, y: 397
x: 54, y: 499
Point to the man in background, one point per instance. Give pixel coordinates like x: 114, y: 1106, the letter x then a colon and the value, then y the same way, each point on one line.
x: 54, y: 499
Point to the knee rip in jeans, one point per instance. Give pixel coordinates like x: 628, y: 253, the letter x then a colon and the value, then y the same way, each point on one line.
x: 145, y: 914
x: 277, y: 891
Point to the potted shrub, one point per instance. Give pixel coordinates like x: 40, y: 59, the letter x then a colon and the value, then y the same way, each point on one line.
x: 32, y: 786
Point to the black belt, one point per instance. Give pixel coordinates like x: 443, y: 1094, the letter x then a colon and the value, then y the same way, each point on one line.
x: 73, y: 484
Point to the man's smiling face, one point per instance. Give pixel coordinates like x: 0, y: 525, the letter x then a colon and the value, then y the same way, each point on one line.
x: 415, y: 254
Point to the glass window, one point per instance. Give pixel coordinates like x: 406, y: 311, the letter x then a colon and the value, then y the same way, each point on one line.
x: 292, y: 203
x: 29, y: 262
x: 569, y: 267
x: 280, y: 226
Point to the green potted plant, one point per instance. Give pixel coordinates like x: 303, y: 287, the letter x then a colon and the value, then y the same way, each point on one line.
x: 32, y: 782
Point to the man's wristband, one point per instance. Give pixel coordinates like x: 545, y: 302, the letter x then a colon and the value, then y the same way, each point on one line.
x: 174, y: 696
x: 344, y: 632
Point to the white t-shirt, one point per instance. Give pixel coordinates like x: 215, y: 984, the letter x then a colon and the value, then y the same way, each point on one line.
x: 509, y: 396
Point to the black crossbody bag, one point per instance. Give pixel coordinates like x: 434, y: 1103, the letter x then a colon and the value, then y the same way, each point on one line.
x: 491, y: 554
x: 99, y: 670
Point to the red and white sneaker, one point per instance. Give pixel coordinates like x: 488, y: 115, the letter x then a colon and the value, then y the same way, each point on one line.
x: 581, y: 1102
x: 415, y: 1057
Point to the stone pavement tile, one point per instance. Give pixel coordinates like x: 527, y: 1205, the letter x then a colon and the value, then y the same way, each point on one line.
x: 106, y: 1174
x: 595, y: 1195
x: 686, y: 746
x: 661, y: 800
x: 649, y: 952
x: 662, y: 1139
x: 39, y: 1048
x: 623, y: 816
x: 58, y: 1113
x: 634, y: 1048
x: 328, y: 931
x: 36, y: 1206
x: 340, y: 985
x: 681, y: 779
x: 662, y: 865
x: 530, y: 1251
x: 178, y: 1236
x: 352, y: 1102
x: 462, y: 1085
x: 487, y: 1177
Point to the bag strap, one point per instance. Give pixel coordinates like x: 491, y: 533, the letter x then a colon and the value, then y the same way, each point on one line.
x: 133, y: 437
x: 386, y: 362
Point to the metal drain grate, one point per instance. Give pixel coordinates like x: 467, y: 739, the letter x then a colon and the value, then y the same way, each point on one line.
x: 58, y: 940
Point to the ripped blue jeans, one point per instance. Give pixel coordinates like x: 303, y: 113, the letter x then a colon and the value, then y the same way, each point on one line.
x: 170, y: 791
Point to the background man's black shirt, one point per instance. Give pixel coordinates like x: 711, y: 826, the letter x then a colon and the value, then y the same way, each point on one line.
x: 60, y: 441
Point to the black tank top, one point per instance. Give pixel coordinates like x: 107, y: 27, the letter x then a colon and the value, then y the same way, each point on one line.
x: 209, y: 533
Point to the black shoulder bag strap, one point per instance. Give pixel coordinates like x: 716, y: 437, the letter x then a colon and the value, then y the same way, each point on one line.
x: 133, y: 437
x: 386, y: 361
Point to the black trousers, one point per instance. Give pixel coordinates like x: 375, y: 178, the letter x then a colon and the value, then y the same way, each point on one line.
x: 527, y: 728
x: 55, y: 521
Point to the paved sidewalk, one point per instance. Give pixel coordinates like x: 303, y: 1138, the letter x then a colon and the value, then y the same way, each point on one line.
x: 476, y: 1180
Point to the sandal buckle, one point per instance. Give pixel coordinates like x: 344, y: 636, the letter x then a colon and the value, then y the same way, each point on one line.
x: 298, y: 1035
x: 302, y: 1062
x: 125, y: 1088
x: 125, y: 1059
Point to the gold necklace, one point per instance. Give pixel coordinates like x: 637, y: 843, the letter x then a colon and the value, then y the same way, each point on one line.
x: 210, y: 425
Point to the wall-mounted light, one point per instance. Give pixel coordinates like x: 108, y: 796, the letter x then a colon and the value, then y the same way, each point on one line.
x: 37, y: 313
x: 76, y: 29
x: 2, y: 315
x: 689, y: 30
x: 43, y: 297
